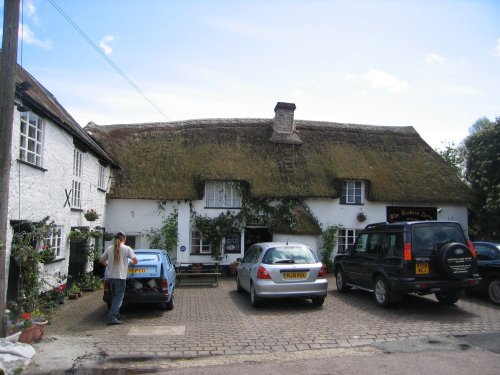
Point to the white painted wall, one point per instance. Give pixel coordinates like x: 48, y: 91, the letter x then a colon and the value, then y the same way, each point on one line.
x: 35, y: 193
x: 135, y: 216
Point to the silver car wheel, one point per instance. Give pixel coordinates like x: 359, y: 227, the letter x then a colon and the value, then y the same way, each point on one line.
x: 494, y: 290
x: 254, y: 300
x: 381, y: 292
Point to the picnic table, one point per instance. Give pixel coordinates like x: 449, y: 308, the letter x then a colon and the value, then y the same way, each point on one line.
x: 198, y: 274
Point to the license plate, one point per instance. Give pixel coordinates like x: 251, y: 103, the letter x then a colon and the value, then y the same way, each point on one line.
x: 295, y: 275
x: 422, y: 268
x: 136, y: 270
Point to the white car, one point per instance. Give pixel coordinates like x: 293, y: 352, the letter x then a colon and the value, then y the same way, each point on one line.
x: 278, y: 270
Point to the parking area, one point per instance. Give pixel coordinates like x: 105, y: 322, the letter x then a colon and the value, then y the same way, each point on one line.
x: 220, y: 321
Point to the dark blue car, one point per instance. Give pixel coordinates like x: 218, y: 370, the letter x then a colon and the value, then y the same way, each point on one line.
x: 488, y: 262
x: 151, y: 280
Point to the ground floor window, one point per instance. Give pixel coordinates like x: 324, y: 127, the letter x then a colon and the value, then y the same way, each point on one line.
x: 232, y: 243
x: 346, y: 238
x: 199, y: 245
x: 54, y: 240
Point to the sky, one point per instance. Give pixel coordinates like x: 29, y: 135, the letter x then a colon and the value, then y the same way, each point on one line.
x: 430, y: 64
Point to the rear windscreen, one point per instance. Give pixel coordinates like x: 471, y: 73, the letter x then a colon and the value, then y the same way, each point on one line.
x: 433, y: 237
x: 142, y: 257
x: 299, y: 255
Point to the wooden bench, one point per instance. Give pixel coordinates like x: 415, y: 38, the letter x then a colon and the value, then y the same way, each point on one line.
x: 198, y: 274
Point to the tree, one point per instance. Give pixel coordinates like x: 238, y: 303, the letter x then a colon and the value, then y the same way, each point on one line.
x: 482, y: 155
x: 454, y: 156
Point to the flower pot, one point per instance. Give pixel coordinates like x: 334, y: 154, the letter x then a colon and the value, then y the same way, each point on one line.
x: 31, y: 334
x: 73, y: 296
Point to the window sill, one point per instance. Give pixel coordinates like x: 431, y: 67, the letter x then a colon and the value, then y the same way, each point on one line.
x: 56, y: 260
x: 352, y: 204
x: 32, y: 165
x: 101, y: 190
x: 206, y: 254
x: 223, y: 208
x: 76, y: 209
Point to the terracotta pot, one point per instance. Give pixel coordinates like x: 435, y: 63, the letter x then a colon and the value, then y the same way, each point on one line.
x: 31, y: 334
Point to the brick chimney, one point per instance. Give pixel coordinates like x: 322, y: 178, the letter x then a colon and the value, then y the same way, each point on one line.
x: 284, y: 125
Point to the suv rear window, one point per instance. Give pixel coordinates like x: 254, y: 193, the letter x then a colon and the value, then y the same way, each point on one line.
x: 429, y: 237
x: 299, y: 255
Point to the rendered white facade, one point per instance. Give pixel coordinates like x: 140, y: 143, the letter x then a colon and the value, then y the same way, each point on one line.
x: 35, y: 193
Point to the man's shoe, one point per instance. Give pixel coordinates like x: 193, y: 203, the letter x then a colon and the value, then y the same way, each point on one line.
x: 115, y: 322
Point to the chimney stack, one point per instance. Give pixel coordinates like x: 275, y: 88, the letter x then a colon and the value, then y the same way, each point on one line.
x: 284, y: 125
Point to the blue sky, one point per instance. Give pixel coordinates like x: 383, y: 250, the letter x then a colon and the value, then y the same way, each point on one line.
x: 434, y: 65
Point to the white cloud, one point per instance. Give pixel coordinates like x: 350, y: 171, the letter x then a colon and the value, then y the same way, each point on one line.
x: 435, y: 58
x: 29, y: 37
x: 104, y: 44
x: 385, y: 81
x: 496, y: 50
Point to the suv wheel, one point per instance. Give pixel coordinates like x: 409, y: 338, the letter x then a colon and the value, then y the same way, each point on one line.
x: 493, y: 288
x: 455, y: 260
x: 318, y: 301
x: 340, y: 280
x: 238, y: 285
x: 448, y: 298
x: 382, y: 292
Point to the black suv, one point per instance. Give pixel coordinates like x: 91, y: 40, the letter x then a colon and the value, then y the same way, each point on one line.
x: 421, y: 257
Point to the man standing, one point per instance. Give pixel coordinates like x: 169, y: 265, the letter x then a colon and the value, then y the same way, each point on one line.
x: 115, y: 258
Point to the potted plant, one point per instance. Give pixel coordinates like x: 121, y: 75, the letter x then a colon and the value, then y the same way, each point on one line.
x: 361, y: 217
x: 74, y: 292
x: 233, y: 267
x: 46, y: 255
x: 108, y: 236
x: 91, y: 215
x: 77, y: 235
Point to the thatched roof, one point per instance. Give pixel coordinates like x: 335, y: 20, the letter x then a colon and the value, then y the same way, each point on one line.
x: 171, y: 161
x: 39, y: 100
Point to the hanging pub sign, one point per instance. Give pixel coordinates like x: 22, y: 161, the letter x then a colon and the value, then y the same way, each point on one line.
x: 395, y: 213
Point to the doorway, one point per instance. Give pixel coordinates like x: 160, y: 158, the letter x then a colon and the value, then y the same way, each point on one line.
x: 256, y: 234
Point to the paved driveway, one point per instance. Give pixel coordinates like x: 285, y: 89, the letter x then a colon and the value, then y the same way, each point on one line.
x: 211, y: 321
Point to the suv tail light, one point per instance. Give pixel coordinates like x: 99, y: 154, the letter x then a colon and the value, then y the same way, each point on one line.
x: 164, y: 286
x: 322, y: 272
x: 263, y: 274
x: 407, y: 251
x: 106, y: 287
x: 472, y: 248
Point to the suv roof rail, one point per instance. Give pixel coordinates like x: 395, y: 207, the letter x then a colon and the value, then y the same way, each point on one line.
x: 375, y: 224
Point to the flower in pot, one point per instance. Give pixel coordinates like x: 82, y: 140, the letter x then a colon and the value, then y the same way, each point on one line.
x: 77, y: 235
x: 108, y: 236
x: 46, y: 255
x: 91, y: 215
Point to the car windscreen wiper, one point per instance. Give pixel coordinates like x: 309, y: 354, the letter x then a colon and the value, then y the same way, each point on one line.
x: 285, y: 261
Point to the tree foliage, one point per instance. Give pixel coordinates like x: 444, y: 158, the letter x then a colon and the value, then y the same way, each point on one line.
x: 482, y: 154
x: 454, y: 155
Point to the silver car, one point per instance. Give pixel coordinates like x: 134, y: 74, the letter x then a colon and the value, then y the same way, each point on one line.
x: 277, y: 270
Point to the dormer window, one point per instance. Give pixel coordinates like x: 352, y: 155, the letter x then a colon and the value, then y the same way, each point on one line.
x: 352, y: 192
x: 222, y: 194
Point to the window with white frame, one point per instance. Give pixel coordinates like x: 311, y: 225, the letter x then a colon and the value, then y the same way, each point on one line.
x: 100, y: 180
x: 54, y: 240
x: 199, y: 245
x: 352, y: 192
x: 31, y: 141
x: 76, y: 185
x: 346, y: 238
x: 222, y: 194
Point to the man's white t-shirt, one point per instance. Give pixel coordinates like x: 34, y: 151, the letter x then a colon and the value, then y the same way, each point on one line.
x: 119, y: 269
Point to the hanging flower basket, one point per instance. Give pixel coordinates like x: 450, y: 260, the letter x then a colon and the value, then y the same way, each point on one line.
x: 361, y: 217
x: 78, y: 235
x: 108, y: 236
x: 94, y: 233
x: 91, y: 215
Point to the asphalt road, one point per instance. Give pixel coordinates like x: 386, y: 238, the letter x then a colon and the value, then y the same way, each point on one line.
x: 214, y: 327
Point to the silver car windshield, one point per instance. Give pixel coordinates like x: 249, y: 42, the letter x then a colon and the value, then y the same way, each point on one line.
x: 299, y: 255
